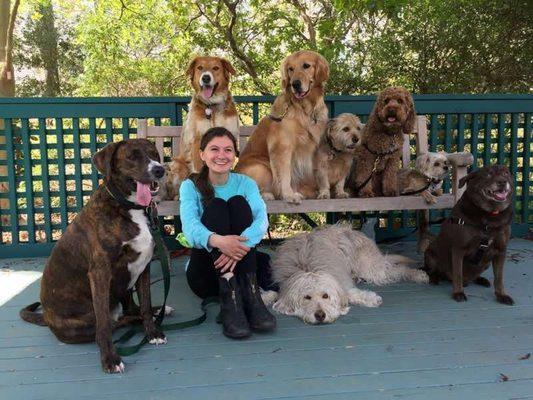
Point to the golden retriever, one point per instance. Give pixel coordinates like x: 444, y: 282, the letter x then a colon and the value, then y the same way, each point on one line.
x: 279, y: 153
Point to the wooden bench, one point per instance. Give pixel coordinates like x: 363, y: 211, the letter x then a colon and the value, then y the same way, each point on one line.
x: 460, y: 162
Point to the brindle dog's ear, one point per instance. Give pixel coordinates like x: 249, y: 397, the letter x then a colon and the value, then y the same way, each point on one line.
x: 228, y: 68
x: 190, y: 69
x: 102, y: 159
x: 465, y: 179
x: 409, y: 125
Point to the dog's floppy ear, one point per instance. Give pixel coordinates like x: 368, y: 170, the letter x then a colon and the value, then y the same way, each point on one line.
x: 190, y: 68
x: 421, y: 161
x: 284, y: 304
x: 284, y: 75
x: 228, y: 68
x: 331, y: 125
x: 409, y: 125
x: 321, y: 69
x: 102, y: 158
x: 467, y: 178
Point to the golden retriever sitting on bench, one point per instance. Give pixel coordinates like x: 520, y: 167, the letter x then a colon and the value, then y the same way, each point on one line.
x: 279, y: 153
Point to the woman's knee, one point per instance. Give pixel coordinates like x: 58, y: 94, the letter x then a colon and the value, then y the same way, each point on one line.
x: 240, y: 213
x: 216, y: 217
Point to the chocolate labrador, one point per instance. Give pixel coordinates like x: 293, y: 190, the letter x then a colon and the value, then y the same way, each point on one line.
x: 475, y: 234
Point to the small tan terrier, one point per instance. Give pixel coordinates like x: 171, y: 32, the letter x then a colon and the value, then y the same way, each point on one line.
x: 426, y: 179
x: 334, y: 156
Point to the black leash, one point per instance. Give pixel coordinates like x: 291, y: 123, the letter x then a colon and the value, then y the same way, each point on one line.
x: 162, y: 253
x: 379, y: 157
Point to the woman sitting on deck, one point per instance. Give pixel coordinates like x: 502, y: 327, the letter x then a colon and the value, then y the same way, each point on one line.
x: 224, y: 217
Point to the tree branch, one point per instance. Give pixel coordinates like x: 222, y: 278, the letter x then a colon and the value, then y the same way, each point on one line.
x: 309, y: 23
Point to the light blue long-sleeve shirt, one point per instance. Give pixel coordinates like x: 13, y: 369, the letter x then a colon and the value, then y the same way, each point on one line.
x: 191, y: 210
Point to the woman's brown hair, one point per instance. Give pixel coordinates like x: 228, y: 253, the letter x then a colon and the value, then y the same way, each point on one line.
x: 201, y: 179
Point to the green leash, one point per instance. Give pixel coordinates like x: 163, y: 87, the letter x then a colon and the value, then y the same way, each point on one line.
x: 162, y: 253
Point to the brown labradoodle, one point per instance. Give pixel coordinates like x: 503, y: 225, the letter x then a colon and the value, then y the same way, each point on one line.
x: 378, y: 159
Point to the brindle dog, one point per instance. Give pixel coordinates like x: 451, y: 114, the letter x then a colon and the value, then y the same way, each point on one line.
x: 102, y: 254
x: 475, y: 234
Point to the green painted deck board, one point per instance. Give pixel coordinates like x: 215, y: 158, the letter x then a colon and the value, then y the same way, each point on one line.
x: 418, y: 345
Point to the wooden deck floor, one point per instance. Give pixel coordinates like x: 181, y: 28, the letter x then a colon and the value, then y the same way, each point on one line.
x: 418, y: 345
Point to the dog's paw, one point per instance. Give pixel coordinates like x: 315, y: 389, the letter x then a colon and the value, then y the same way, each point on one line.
x: 112, y: 364
x: 342, y: 195
x: 505, y: 299
x: 459, y: 297
x: 323, y: 194
x: 295, y: 198
x: 168, y: 310
x: 267, y: 196
x: 420, y: 276
x: 157, y: 337
x: 365, y: 298
x: 269, y: 297
x: 372, y: 299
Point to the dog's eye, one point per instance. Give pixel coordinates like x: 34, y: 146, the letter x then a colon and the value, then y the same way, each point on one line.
x: 437, y: 164
x: 306, y: 65
x: 400, y: 101
x: 199, y: 68
x: 307, y: 297
x: 291, y: 69
x: 325, y: 296
x: 387, y: 101
x: 216, y: 68
x: 346, y: 129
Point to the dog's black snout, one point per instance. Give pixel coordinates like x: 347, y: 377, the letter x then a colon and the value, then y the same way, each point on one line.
x: 297, y: 85
x: 206, y: 78
x: 446, y: 168
x: 320, y: 315
x: 158, y: 171
x: 355, y: 140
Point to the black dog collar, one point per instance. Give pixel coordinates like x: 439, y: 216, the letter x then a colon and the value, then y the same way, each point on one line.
x: 119, y: 197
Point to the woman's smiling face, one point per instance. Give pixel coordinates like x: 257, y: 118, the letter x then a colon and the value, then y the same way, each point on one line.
x: 219, y: 155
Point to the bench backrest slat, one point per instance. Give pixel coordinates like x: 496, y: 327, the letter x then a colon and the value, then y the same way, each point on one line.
x: 159, y: 133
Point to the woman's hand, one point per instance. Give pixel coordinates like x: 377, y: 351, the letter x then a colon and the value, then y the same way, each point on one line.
x: 230, y: 245
x: 225, y: 264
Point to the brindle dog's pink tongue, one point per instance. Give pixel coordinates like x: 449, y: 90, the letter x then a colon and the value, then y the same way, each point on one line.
x: 144, y: 197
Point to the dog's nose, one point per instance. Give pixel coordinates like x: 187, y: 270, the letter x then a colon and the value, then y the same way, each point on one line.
x: 355, y: 140
x: 206, y: 79
x: 297, y: 85
x: 446, y: 168
x: 320, y: 315
x: 158, y: 171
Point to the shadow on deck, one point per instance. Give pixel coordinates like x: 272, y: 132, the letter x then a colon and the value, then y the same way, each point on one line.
x: 418, y: 345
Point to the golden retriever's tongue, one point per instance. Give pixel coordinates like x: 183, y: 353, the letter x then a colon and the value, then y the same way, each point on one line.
x: 144, y: 197
x: 207, y: 91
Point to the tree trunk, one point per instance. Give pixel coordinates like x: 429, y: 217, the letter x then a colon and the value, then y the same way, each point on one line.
x: 7, y: 83
x: 46, y: 34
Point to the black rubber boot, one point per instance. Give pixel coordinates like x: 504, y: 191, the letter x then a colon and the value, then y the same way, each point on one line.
x: 234, y: 323
x: 259, y: 318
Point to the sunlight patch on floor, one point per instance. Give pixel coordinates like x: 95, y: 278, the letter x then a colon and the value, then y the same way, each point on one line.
x: 14, y: 282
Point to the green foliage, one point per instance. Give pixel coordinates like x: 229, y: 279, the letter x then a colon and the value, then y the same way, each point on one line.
x: 142, y: 47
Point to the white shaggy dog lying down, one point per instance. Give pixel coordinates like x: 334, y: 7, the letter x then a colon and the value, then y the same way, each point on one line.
x: 316, y: 272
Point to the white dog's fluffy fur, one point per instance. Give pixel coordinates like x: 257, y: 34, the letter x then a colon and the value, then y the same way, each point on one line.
x: 317, y: 272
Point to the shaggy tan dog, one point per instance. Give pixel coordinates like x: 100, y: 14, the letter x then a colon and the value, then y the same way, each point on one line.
x: 426, y: 179
x: 335, y: 154
x: 279, y: 153
x: 378, y: 159
x: 317, y: 272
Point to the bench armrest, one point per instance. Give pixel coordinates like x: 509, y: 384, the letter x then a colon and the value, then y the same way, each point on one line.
x: 461, y: 159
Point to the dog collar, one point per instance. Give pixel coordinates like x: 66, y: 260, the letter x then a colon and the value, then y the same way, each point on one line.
x: 392, y: 150
x: 119, y: 197
x: 334, y: 151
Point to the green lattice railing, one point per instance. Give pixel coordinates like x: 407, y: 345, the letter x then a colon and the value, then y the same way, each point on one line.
x: 46, y: 147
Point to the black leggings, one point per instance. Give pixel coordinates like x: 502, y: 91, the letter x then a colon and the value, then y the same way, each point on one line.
x: 230, y: 217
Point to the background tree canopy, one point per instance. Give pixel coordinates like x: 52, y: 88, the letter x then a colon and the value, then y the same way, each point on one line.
x: 142, y: 47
